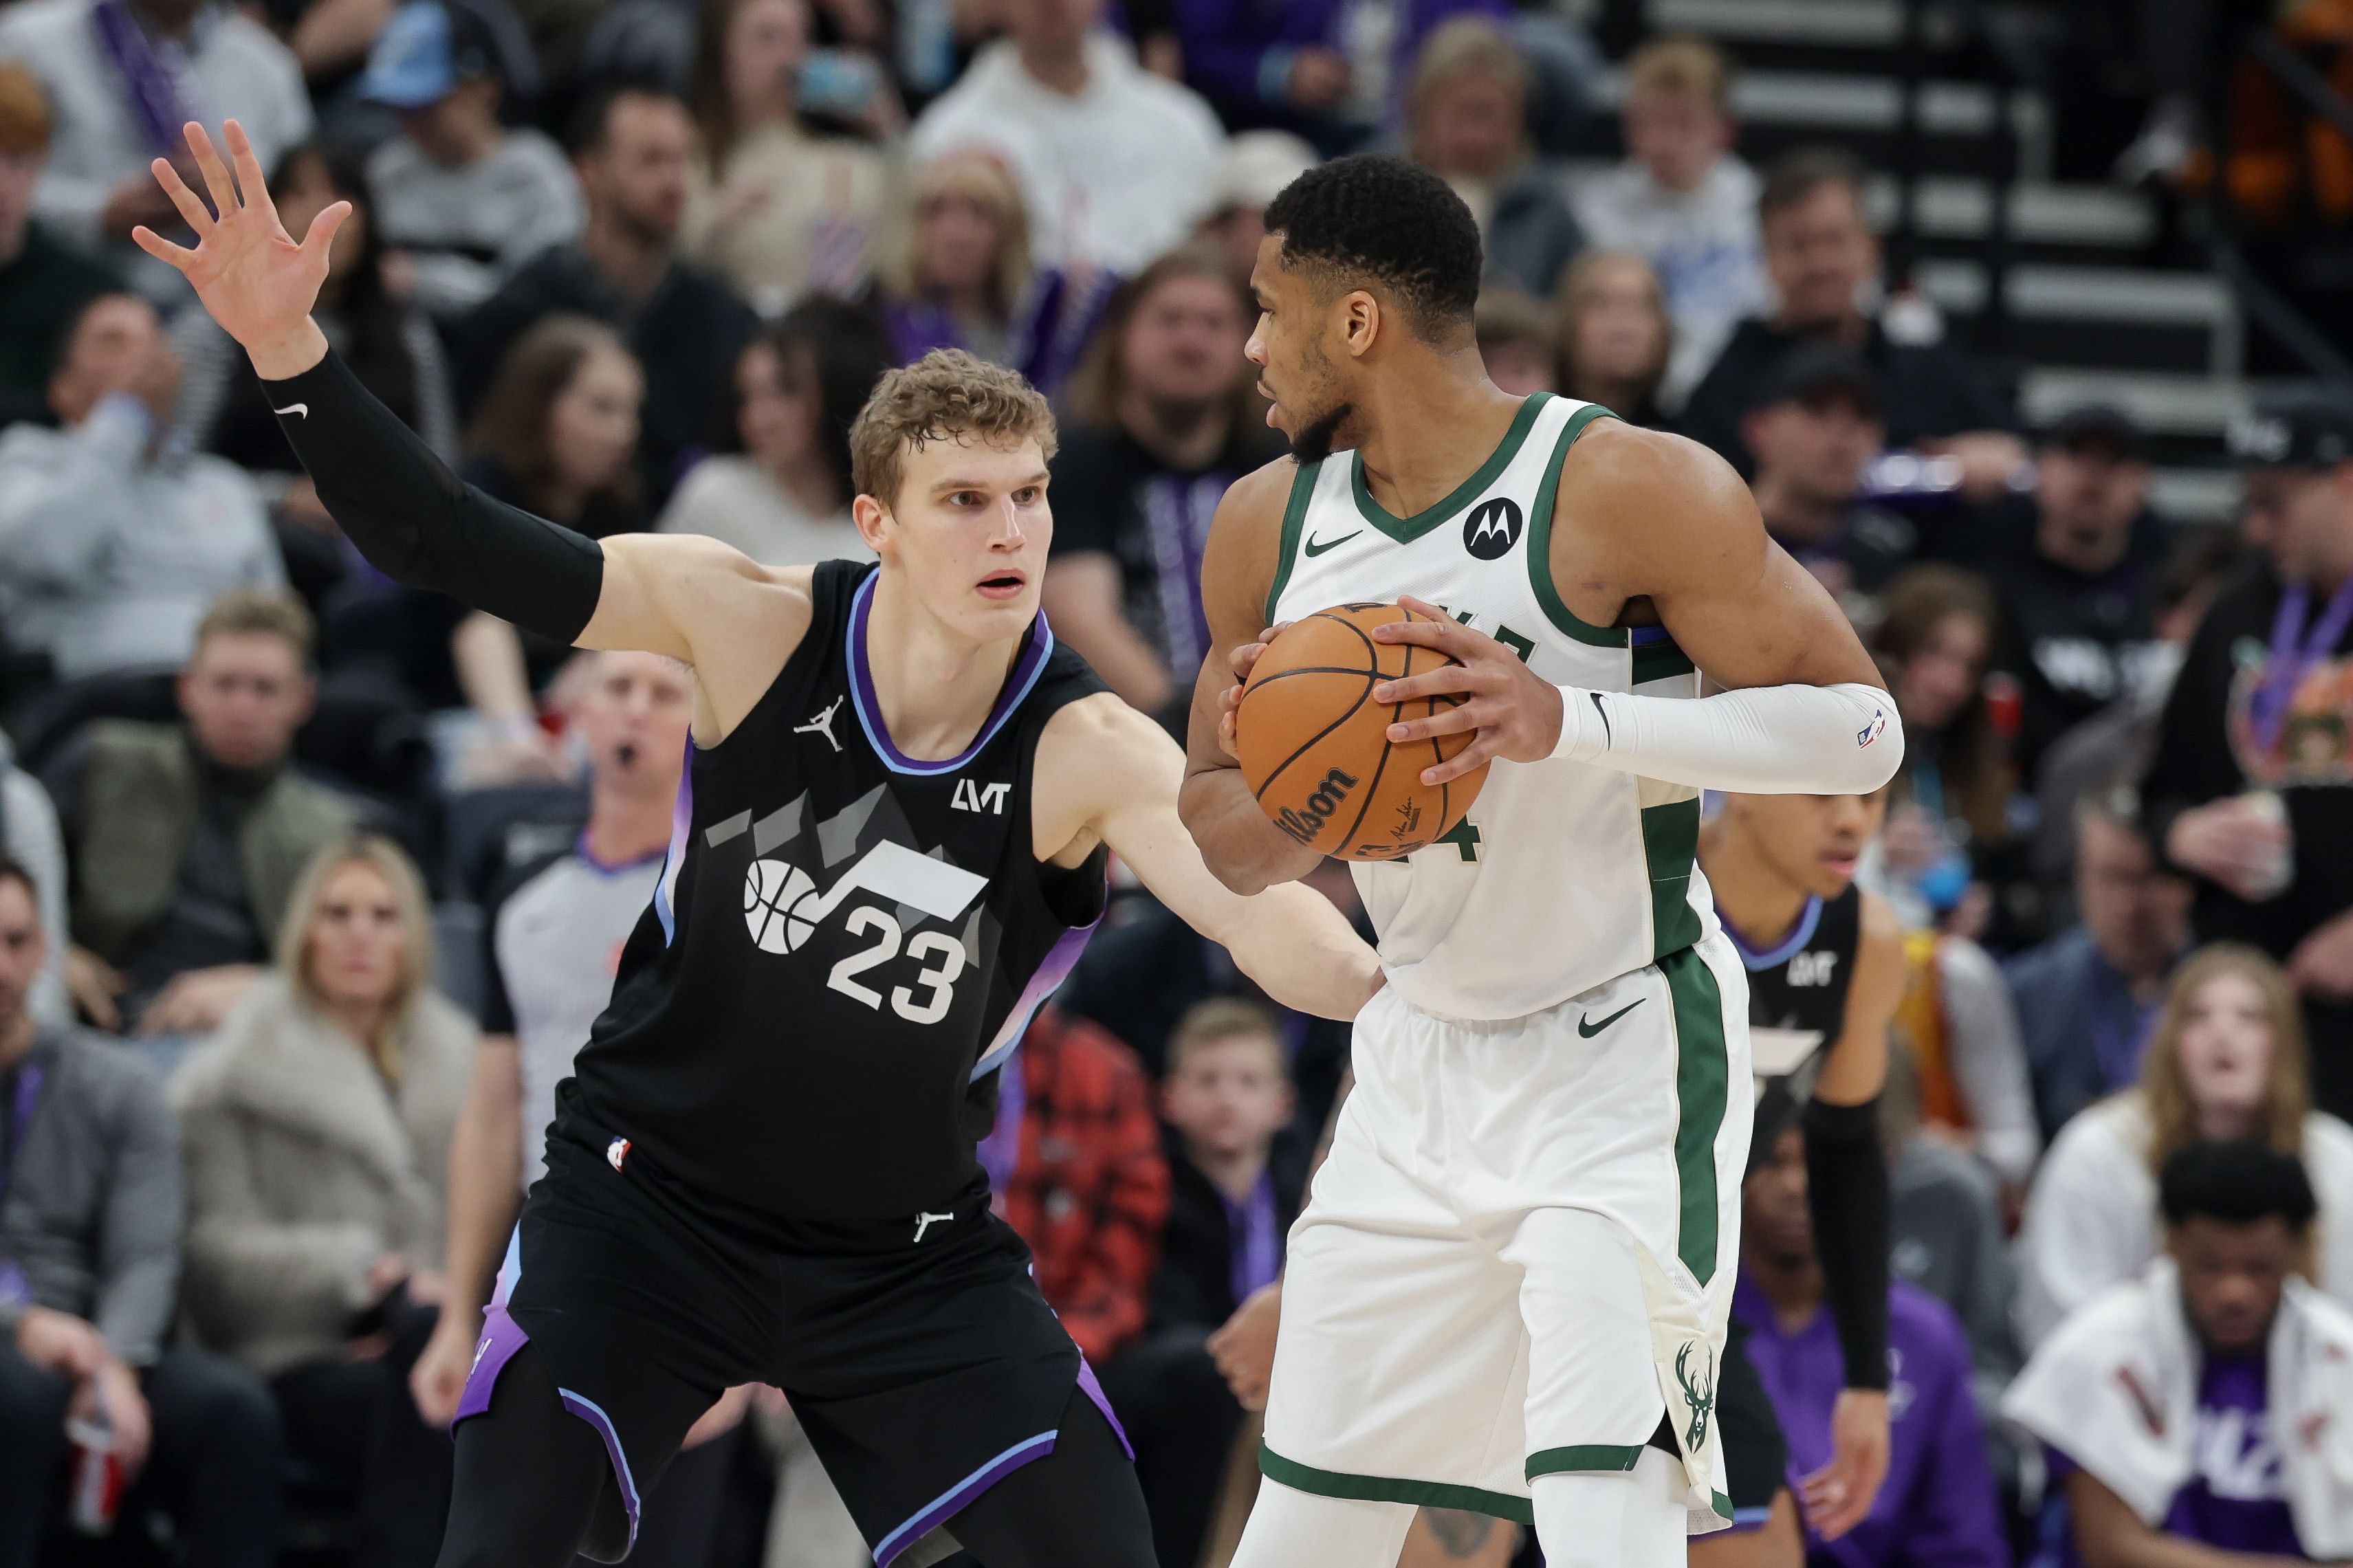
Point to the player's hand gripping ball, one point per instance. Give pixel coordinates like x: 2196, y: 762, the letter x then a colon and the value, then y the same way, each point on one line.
x: 1314, y: 748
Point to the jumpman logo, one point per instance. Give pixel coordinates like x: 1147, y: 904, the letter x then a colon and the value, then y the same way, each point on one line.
x: 822, y: 724
x: 924, y: 1222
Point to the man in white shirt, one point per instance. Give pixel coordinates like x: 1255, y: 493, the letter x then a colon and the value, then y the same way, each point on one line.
x: 470, y: 200
x: 122, y: 77
x: 1684, y: 200
x: 114, y: 543
x: 1116, y: 164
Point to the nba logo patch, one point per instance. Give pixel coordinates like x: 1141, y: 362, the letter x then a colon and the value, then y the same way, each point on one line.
x: 1872, y: 731
x: 615, y: 1151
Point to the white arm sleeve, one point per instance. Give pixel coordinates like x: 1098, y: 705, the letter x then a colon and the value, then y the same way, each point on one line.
x: 1764, y: 740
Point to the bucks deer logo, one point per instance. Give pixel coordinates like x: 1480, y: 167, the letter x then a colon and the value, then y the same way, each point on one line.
x: 1694, y: 1357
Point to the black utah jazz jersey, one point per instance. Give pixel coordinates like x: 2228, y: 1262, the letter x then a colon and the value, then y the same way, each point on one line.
x: 1797, y: 990
x: 844, y: 943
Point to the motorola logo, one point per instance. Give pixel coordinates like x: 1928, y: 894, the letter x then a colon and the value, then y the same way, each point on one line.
x: 1492, y: 529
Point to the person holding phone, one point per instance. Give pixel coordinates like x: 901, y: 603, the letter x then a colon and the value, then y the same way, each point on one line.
x: 774, y: 208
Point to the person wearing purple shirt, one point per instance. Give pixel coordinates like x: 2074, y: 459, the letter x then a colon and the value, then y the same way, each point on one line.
x: 1939, y: 1507
x: 1329, y: 69
x: 2238, y: 1218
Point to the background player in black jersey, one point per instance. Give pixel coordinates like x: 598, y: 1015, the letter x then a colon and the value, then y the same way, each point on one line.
x: 888, y: 847
x: 1825, y: 963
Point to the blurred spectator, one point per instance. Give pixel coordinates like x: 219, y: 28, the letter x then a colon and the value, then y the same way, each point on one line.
x: 2227, y: 1061
x: 962, y: 278
x: 1258, y: 164
x: 90, y: 1254
x: 1614, y: 335
x: 2115, y: 742
x: 2074, y: 568
x: 390, y: 345
x: 1823, y: 261
x: 779, y: 488
x: 317, y: 1126
x: 30, y: 838
x: 555, y: 928
x: 43, y: 282
x: 1320, y: 68
x: 1684, y: 200
x: 122, y: 78
x: 771, y: 209
x: 2194, y: 1416
x: 1164, y: 416
x: 1815, y: 423
x: 1076, y: 1167
x: 2246, y: 788
x: 1947, y: 1238
x: 1938, y: 1503
x: 1234, y: 1190
x: 464, y: 199
x: 2088, y: 997
x: 1468, y: 123
x: 1935, y: 637
x: 1962, y: 1028
x: 554, y: 436
x: 1115, y: 164
x: 185, y: 842
x: 1516, y: 341
x: 112, y: 541
x: 684, y: 325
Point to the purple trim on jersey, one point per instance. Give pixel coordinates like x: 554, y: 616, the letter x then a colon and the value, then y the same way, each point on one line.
x: 1027, y: 667
x: 589, y: 1410
x: 1643, y: 636
x: 582, y: 853
x: 1752, y: 960
x: 682, y: 818
x: 1091, y: 1386
x: 957, y: 1497
x: 1052, y: 971
x: 501, y: 1337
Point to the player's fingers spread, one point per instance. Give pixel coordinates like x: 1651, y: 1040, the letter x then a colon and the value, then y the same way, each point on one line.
x: 323, y: 227
x: 217, y: 183
x: 1470, y: 757
x: 1453, y: 721
x: 161, y: 249
x: 249, y: 178
x: 191, y: 207
x: 1446, y: 680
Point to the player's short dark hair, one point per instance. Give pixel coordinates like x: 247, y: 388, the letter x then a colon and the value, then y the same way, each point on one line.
x: 2237, y: 1181
x: 14, y: 870
x: 1798, y: 172
x: 1377, y: 218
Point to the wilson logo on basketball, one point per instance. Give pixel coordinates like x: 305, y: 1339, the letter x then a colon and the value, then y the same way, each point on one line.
x: 1492, y: 529
x: 1305, y: 822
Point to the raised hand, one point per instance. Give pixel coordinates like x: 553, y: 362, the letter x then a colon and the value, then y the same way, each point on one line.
x: 254, y: 277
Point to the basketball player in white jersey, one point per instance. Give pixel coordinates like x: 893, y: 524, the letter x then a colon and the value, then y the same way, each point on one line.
x: 1509, y: 1291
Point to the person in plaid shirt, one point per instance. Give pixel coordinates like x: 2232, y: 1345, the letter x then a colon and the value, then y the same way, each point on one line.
x: 1076, y: 1167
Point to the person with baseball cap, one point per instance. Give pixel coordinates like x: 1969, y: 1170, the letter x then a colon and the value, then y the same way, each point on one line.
x: 1815, y: 424
x: 2075, y: 565
x: 2247, y: 789
x: 468, y: 199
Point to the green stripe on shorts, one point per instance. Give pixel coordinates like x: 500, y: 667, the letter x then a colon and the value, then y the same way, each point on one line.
x: 1670, y: 849
x: 1579, y: 1456
x: 1387, y: 1488
x: 1702, y: 1068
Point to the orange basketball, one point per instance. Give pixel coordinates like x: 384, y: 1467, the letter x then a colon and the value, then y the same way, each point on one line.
x: 1314, y: 743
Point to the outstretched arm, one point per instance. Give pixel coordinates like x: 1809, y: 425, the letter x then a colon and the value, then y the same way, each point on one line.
x: 1241, y: 845
x: 396, y: 501
x: 1109, y: 775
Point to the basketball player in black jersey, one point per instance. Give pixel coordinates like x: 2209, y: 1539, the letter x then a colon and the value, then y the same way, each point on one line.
x: 1825, y: 963
x: 888, y: 849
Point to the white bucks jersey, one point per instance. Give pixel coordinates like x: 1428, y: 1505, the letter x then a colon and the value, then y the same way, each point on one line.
x: 1563, y: 874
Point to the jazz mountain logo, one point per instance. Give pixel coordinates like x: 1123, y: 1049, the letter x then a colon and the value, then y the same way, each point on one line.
x: 1492, y: 529
x: 783, y: 907
x: 1694, y: 1357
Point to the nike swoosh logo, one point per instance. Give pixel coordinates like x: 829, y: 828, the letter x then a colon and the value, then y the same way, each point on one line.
x: 1587, y: 1028
x: 1317, y: 547
x: 300, y: 410
x: 1609, y: 737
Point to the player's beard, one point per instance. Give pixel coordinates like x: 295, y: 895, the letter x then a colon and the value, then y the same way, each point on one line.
x: 1313, y: 443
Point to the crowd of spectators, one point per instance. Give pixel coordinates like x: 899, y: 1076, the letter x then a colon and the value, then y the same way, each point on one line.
x: 310, y: 885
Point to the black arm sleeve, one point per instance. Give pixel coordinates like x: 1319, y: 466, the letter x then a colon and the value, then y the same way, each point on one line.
x: 1846, y: 1192
x: 420, y: 524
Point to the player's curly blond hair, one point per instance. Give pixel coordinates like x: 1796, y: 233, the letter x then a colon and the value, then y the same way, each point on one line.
x: 944, y: 395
